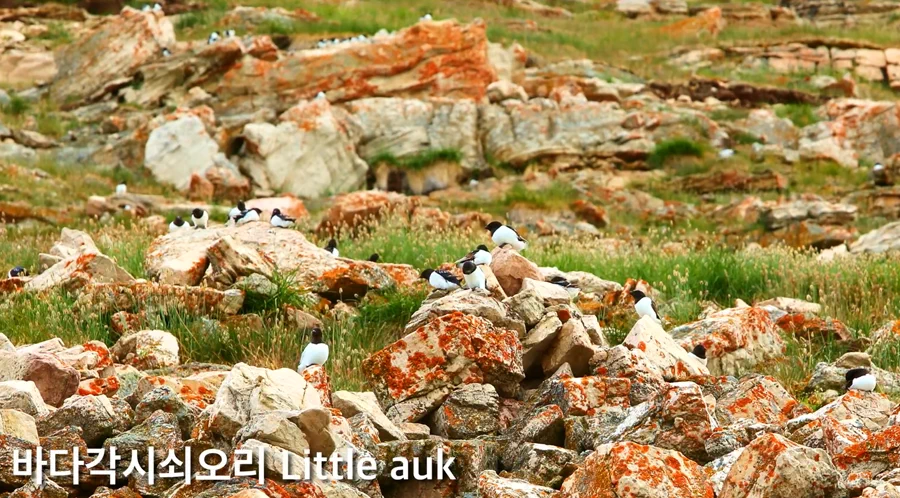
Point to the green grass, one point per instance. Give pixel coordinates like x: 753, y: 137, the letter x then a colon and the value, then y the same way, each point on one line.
x: 56, y: 33
x: 673, y: 148
x: 800, y: 114
x: 420, y: 161
x: 17, y: 106
x: 729, y: 114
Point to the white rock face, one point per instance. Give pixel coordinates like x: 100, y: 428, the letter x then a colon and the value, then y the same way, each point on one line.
x: 147, y: 349
x: 178, y: 149
x: 24, y: 396
x: 351, y: 403
x: 311, y: 153
x: 18, y: 424
x: 661, y: 350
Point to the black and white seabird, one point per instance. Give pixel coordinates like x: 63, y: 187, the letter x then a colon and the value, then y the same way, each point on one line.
x: 440, y: 279
x: 726, y: 153
x: 213, y: 38
x: 121, y: 188
x: 426, y: 17
x: 480, y: 256
x: 644, y: 306
x: 504, y: 234
x: 281, y: 221
x: 166, y: 52
x: 230, y: 33
x: 374, y: 257
x: 177, y: 224
x: 565, y: 284
x: 320, y: 96
x: 145, y: 8
x: 236, y: 211
x: 247, y: 216
x: 157, y: 7
x: 859, y: 379
x: 699, y: 352
x: 473, y: 275
x: 18, y: 271
x: 315, y: 353
x: 200, y: 218
x: 332, y: 248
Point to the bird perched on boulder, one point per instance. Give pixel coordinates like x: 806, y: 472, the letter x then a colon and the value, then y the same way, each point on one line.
x: 315, y: 353
x: 200, y: 218
x: 426, y: 17
x: 166, y: 52
x: 121, y: 188
x: 505, y: 235
x: 281, y: 221
x: 213, y: 38
x: 699, y: 352
x: 374, y: 257
x: 473, y: 275
x: 644, y: 306
x: 248, y: 216
x: 479, y: 256
x: 565, y: 284
x: 859, y: 379
x: 440, y: 279
x: 177, y: 224
x: 333, y: 248
x: 726, y: 153
x: 229, y: 33
x: 18, y: 271
x: 880, y: 176
x: 236, y: 211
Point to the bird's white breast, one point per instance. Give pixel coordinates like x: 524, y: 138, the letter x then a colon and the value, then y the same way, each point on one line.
x: 864, y: 383
x: 475, y: 280
x: 483, y: 258
x: 506, y: 235
x: 439, y: 282
x: 644, y: 307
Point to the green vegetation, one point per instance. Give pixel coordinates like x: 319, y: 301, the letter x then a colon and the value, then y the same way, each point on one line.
x: 729, y: 114
x: 17, y: 106
x: 418, y: 161
x: 800, y: 114
x: 673, y: 148
x: 56, y: 33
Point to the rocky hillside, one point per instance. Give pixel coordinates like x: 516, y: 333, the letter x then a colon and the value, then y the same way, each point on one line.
x: 735, y: 162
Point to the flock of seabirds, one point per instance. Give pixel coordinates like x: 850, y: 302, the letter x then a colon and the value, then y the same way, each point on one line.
x: 316, y: 352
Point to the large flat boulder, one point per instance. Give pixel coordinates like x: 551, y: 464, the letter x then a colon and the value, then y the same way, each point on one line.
x: 660, y: 349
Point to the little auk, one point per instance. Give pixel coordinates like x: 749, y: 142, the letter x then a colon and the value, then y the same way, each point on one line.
x: 281, y: 221
x: 230, y: 33
x: 480, y: 256
x: 177, y: 224
x: 247, y: 216
x: 121, y: 189
x: 374, y: 257
x: 473, y: 275
x: 17, y: 272
x: 504, y: 234
x: 166, y: 53
x: 213, y: 38
x: 320, y: 96
x: 315, y: 353
x: 440, y: 279
x: 157, y: 7
x: 200, y: 218
x: 726, y: 153
x: 699, y: 352
x: 859, y: 379
x: 332, y: 248
x: 426, y: 17
x: 644, y: 306
x: 571, y: 288
x: 236, y: 211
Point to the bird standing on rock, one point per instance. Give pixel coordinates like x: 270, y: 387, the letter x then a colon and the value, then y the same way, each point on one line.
x: 177, y: 224
x: 374, y: 257
x: 699, y: 352
x: 440, y: 279
x: 571, y: 288
x: 474, y: 276
x: 505, y: 235
x: 247, y: 216
x: 315, y: 353
x: 18, y: 271
x: 213, y: 38
x: 236, y: 211
x: 480, y: 256
x: 859, y: 379
x: 281, y: 221
x: 644, y: 306
x: 121, y: 189
x: 200, y: 218
x: 332, y: 248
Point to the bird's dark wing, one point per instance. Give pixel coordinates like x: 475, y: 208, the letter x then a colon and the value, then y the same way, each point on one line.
x: 447, y: 276
x: 521, y: 239
x: 467, y: 257
x: 653, y: 305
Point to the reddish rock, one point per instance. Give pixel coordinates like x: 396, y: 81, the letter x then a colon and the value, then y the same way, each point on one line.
x: 874, y: 455
x: 449, y: 350
x: 55, y: 381
x: 810, y: 327
x: 772, y: 466
x: 732, y: 181
x: 736, y: 339
x: 289, y: 205
x: 580, y: 396
x: 430, y: 58
x: 96, y: 387
x: 318, y: 379
x: 630, y: 470
x: 758, y: 398
x: 595, y: 215
x: 511, y: 269
x: 349, y: 211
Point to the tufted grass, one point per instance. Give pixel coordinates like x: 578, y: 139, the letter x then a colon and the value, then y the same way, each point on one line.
x: 673, y: 148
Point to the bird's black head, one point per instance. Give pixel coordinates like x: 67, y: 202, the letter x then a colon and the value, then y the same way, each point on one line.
x: 854, y: 373
x: 699, y: 351
x: 426, y: 274
x: 637, y: 295
x: 123, y: 182
x: 374, y: 257
x: 561, y: 281
x: 332, y: 244
x: 469, y: 267
x: 276, y: 212
x: 197, y: 213
x: 493, y: 226
x: 482, y: 247
x: 18, y: 272
x: 178, y: 221
x: 316, y: 335
x: 241, y: 206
